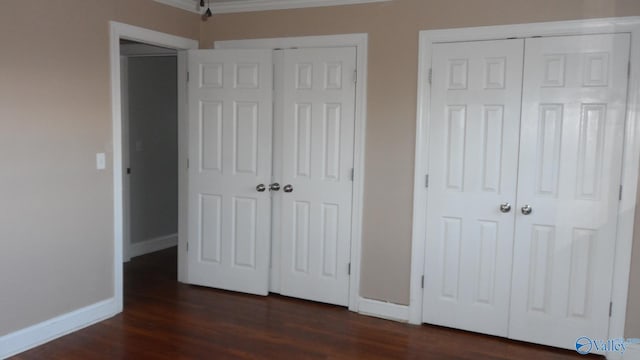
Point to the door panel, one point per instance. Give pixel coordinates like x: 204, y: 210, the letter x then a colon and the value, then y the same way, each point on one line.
x: 318, y: 94
x: 230, y: 121
x: 475, y: 116
x: 574, y: 97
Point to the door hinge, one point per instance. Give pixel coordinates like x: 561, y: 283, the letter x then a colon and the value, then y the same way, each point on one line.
x: 430, y: 76
x: 187, y: 76
x: 610, y: 309
x: 426, y: 181
x: 422, y: 282
x: 629, y: 70
x: 620, y: 193
x: 352, y: 174
x: 355, y: 76
x: 187, y: 247
x: 128, y: 171
x: 187, y: 163
x: 349, y: 269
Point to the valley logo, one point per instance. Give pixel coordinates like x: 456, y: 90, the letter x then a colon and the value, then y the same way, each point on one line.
x: 585, y: 345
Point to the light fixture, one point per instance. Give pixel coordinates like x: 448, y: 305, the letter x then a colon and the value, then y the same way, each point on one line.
x: 207, y: 14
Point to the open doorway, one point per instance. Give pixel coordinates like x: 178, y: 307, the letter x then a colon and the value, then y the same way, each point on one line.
x: 179, y: 45
x: 150, y: 147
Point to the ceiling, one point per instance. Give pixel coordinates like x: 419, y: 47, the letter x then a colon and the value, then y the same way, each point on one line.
x: 232, y: 6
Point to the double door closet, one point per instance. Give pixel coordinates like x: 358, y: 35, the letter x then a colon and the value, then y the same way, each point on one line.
x: 525, y: 158
x: 271, y: 154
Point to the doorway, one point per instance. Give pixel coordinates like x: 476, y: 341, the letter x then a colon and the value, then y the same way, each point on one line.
x: 150, y: 147
x: 525, y: 273
x: 302, y: 151
x: 620, y: 190
x: 120, y: 31
x: 358, y: 41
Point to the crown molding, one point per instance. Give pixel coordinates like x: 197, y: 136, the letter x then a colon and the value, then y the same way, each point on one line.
x: 225, y: 7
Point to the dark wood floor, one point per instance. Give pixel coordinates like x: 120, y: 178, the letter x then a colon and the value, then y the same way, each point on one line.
x: 163, y: 319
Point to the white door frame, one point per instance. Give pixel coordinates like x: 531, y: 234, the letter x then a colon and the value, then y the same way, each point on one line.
x: 631, y: 156
x: 359, y: 41
x: 124, y: 31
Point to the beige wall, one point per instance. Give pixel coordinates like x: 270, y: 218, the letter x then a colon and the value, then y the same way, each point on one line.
x: 56, y: 222
x: 393, y: 55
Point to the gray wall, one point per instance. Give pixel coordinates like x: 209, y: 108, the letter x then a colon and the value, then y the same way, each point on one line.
x: 153, y: 147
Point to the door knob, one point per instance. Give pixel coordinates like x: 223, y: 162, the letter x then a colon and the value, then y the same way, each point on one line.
x: 274, y: 187
x: 505, y: 207
x: 288, y: 188
x: 261, y: 188
x: 527, y: 209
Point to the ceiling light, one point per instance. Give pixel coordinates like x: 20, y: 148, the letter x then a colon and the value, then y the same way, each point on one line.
x: 208, y: 13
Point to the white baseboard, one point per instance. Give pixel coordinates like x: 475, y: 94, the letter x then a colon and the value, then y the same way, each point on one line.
x: 613, y: 356
x: 38, y: 334
x: 632, y: 353
x: 384, y: 310
x: 153, y: 245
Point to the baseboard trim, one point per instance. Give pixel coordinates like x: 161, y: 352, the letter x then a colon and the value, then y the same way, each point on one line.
x: 38, y: 334
x: 632, y: 352
x: 384, y: 310
x: 153, y: 245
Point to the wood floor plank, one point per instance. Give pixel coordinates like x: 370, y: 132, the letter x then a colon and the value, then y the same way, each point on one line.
x: 164, y: 319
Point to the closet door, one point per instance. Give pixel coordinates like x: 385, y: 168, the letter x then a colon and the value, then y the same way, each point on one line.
x: 473, y: 154
x: 316, y: 185
x: 230, y: 121
x: 573, y: 115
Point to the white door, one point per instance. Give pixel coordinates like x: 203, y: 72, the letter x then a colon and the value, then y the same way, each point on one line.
x: 318, y: 92
x: 230, y: 124
x: 573, y: 115
x: 475, y: 116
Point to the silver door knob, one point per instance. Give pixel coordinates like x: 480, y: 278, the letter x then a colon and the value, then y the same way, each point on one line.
x: 288, y: 188
x: 527, y: 209
x: 261, y: 188
x: 274, y: 187
x: 505, y: 207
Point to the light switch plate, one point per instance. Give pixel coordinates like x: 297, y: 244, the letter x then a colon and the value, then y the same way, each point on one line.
x: 101, y: 161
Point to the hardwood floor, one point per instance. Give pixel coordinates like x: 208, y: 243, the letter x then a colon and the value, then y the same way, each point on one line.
x: 164, y: 319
